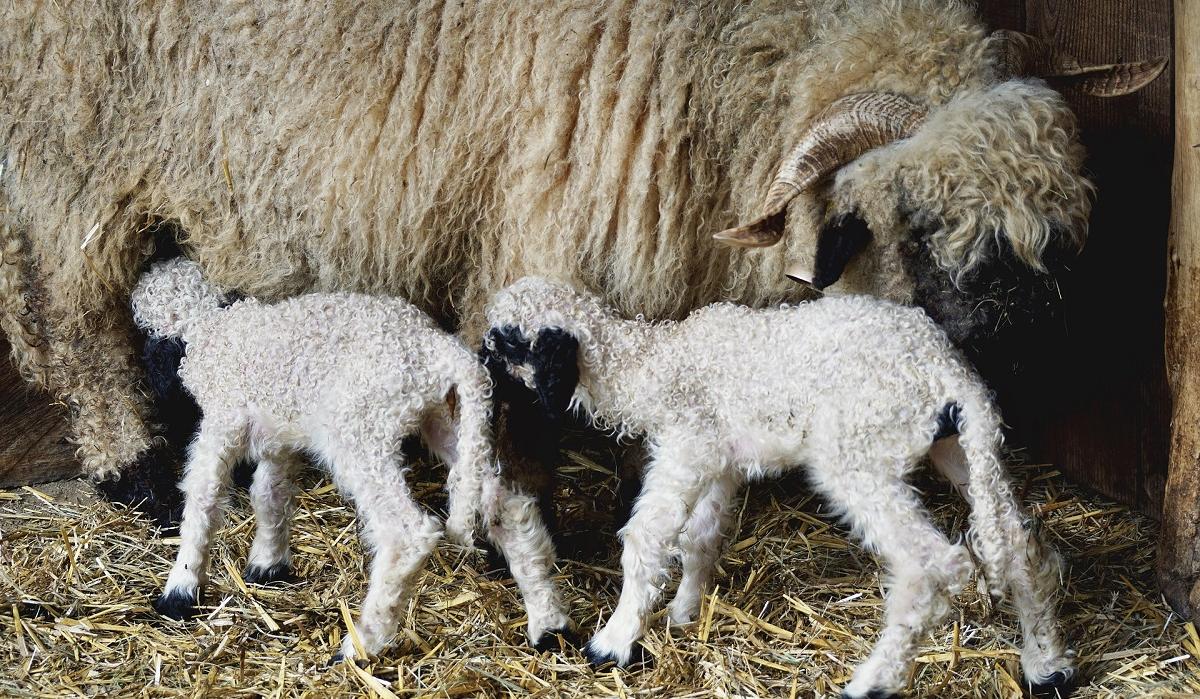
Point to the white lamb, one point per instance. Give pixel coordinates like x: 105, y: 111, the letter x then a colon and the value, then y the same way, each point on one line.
x: 853, y: 388
x: 344, y: 378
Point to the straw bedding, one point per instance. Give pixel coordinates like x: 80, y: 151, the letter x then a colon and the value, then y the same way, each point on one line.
x: 797, y: 605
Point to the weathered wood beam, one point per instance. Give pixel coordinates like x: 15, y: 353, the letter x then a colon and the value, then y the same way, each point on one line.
x: 33, y: 432
x: 1179, y: 545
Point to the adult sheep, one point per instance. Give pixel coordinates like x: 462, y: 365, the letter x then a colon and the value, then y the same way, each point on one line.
x: 439, y: 150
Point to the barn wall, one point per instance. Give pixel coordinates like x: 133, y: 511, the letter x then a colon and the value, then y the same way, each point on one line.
x: 1099, y: 409
x: 33, y: 432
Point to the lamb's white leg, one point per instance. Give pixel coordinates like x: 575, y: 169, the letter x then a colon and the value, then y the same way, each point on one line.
x: 401, y: 535
x: 219, y: 443
x: 701, y: 545
x: 671, y: 488
x: 924, y: 568
x: 522, y: 538
x: 273, y: 496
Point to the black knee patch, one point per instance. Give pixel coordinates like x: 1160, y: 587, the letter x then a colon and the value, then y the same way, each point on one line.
x: 1059, y: 685
x: 557, y: 639
x: 947, y: 421
x: 177, y: 604
x: 258, y: 575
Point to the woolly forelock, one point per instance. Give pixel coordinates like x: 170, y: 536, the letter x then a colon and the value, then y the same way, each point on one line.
x: 172, y: 297
x: 1001, y: 162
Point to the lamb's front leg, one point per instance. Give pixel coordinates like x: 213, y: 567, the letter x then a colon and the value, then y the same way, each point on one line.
x: 272, y: 495
x: 217, y: 446
x: 701, y: 545
x: 669, y: 492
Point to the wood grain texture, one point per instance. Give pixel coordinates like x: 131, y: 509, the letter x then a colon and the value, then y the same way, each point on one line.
x: 1098, y: 409
x: 33, y: 433
x: 1179, y: 545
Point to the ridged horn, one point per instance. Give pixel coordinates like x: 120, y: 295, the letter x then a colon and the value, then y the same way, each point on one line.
x: 842, y: 132
x: 1018, y: 54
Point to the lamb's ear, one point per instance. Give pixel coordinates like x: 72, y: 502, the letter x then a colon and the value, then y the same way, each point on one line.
x: 554, y: 357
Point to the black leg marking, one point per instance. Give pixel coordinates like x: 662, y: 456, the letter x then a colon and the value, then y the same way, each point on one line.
x: 641, y: 659
x: 258, y: 575
x: 177, y: 604
x: 557, y: 639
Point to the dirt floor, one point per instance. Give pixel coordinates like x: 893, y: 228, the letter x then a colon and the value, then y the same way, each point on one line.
x: 796, y: 607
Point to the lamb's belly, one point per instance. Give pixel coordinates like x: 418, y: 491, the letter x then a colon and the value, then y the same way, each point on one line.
x: 761, y: 452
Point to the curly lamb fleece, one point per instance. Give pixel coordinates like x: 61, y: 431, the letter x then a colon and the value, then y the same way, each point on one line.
x: 854, y: 388
x: 343, y: 377
x: 437, y: 151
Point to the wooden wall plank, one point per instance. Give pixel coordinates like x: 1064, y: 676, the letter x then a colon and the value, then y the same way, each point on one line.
x: 1179, y: 544
x: 33, y: 432
x: 1098, y: 409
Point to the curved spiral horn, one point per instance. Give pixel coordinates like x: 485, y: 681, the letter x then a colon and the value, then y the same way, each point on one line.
x: 1018, y: 54
x: 842, y: 132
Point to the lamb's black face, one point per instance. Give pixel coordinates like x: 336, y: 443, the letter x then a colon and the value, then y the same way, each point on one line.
x: 549, y: 364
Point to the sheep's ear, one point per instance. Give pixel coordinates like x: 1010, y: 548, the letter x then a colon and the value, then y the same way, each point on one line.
x: 839, y: 242
x: 554, y: 358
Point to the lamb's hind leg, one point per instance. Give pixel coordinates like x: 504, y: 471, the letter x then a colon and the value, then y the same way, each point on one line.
x: 272, y: 495
x: 218, y: 444
x: 701, y: 545
x: 923, y: 567
x: 522, y: 538
x: 401, y: 535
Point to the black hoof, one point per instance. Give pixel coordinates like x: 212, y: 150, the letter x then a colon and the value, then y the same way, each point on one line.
x: 640, y: 659
x: 556, y: 639
x: 258, y: 575
x: 177, y: 604
x: 874, y: 694
x: 1060, y: 685
x: 148, y: 485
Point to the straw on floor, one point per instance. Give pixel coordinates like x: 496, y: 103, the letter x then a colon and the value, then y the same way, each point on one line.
x: 797, y: 606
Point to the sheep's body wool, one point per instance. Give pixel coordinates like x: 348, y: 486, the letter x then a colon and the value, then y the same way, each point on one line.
x: 440, y: 150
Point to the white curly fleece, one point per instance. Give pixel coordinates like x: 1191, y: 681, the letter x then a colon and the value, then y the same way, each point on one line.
x: 344, y: 377
x: 850, y: 387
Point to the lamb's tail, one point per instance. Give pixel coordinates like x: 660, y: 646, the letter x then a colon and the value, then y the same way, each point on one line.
x: 472, y: 477
x: 1000, y: 533
x: 16, y: 317
x: 1017, y: 563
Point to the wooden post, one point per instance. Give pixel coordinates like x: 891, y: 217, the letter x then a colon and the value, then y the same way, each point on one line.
x: 33, y: 432
x: 1179, y: 545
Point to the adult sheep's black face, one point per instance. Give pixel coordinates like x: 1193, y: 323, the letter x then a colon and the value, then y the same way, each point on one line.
x: 967, y: 205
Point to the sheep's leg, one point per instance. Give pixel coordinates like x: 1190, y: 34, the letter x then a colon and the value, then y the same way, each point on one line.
x: 521, y: 536
x: 401, y: 535
x: 701, y: 545
x: 273, y: 496
x: 949, y: 459
x: 924, y: 568
x: 217, y: 446
x: 670, y: 490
